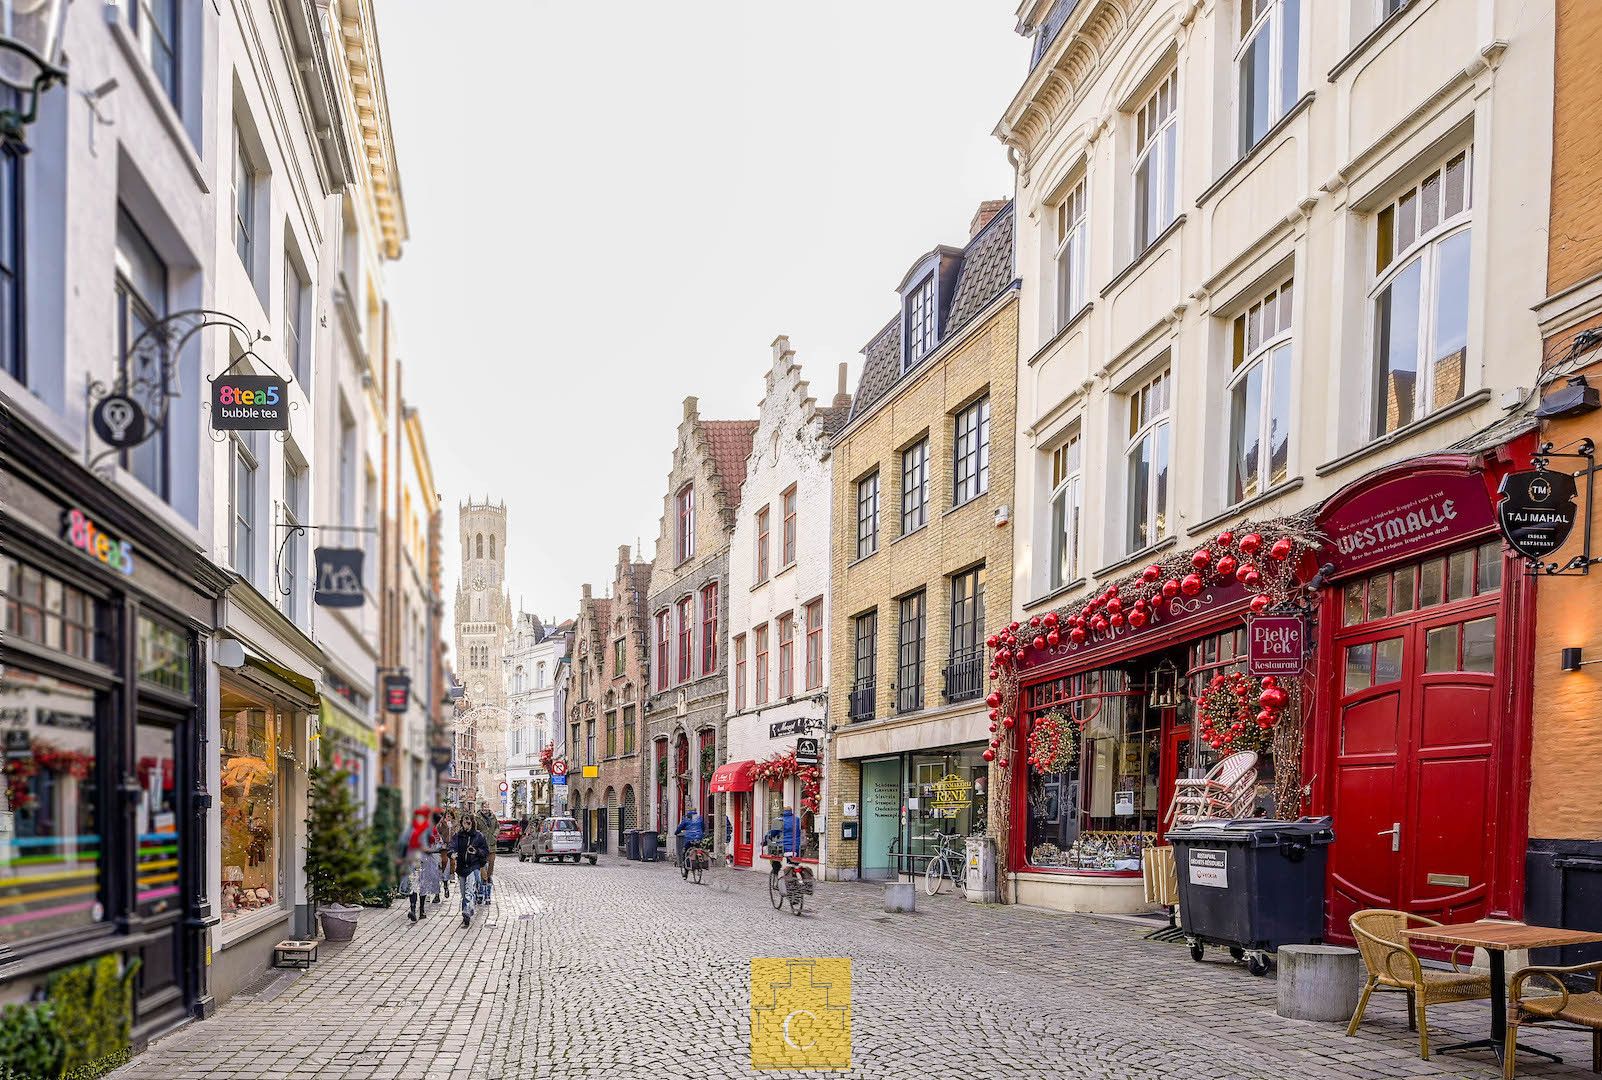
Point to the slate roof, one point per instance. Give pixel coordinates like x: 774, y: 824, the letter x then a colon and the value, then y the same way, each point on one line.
x: 729, y: 442
x: 833, y: 418
x: 987, y: 271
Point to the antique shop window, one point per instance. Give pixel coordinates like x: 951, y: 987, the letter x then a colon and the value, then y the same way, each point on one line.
x: 1095, y: 805
x: 1156, y: 153
x: 1067, y: 501
x: 915, y: 486
x: 1420, y: 296
x: 1260, y: 395
x: 52, y: 877
x: 970, y: 464
x: 249, y: 733
x: 1266, y: 66
x: 1146, y: 458
x: 950, y: 786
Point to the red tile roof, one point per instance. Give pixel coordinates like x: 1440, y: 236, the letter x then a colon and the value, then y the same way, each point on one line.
x: 730, y: 444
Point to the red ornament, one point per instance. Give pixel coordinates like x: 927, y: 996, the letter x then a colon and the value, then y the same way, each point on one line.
x: 1265, y: 719
x: 1099, y: 625
x: 995, y: 714
x: 1273, y: 698
x: 1003, y: 763
x: 1269, y: 680
x: 1225, y: 539
x: 1077, y: 635
x: 993, y: 640
x: 1281, y: 549
x: 1250, y: 543
x: 1158, y: 601
x: 1112, y: 590
x: 1190, y: 584
x: 989, y: 755
x: 1137, y: 618
x: 1053, y: 639
x: 1051, y: 618
x: 1260, y: 603
x: 1170, y: 589
x: 1151, y: 573
x: 1116, y: 620
x: 1114, y: 606
x: 1039, y: 642
x: 1252, y: 579
x: 1201, y: 559
x: 1003, y: 656
x: 994, y: 700
x: 1226, y: 566
x: 1013, y: 627
x: 1034, y: 620
x: 993, y: 729
x: 1007, y: 723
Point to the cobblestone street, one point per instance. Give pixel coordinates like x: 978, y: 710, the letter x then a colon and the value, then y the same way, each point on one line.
x: 563, y: 977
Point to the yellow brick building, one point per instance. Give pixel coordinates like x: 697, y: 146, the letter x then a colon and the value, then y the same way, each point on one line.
x: 922, y: 558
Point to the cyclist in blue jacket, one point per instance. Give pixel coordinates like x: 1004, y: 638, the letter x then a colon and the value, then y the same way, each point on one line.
x: 788, y: 832
x: 693, y: 829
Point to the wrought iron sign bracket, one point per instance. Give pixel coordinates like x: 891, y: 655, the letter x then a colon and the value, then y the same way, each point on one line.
x: 290, y: 530
x: 1580, y: 564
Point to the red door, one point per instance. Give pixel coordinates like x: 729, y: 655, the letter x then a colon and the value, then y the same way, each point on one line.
x: 1175, y: 759
x: 1414, y: 798
x: 742, y: 828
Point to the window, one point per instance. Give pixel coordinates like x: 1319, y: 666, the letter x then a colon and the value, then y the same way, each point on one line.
x: 619, y: 650
x: 1443, y: 579
x: 1073, y: 238
x: 739, y: 673
x: 1260, y: 395
x: 347, y: 466
x: 242, y: 502
x: 589, y: 742
x: 865, y: 655
x: 492, y: 547
x: 968, y: 613
x: 1147, y: 462
x: 12, y: 353
x: 709, y: 628
x: 786, y: 655
x: 760, y: 644
x: 814, y: 617
x: 686, y: 504
x: 1156, y: 147
x: 762, y: 545
x: 1420, y: 297
x: 140, y: 301
x: 244, y: 200
x: 47, y: 611
x: 970, y: 463
x: 1266, y: 66
x: 787, y: 508
x: 664, y: 649
x: 1067, y: 501
x: 686, y: 637
x: 630, y: 730
x: 297, y: 346
x: 539, y: 676
x: 915, y: 487
x: 920, y: 322
x: 611, y: 734
x: 156, y: 24
x: 251, y: 733
x: 909, y: 660
x: 294, y: 541
x: 868, y: 515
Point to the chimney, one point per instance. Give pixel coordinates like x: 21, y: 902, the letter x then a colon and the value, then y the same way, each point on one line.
x: 691, y: 404
x: 622, y: 554
x: 586, y: 592
x: 842, y: 396
x: 781, y: 347
x: 987, y: 210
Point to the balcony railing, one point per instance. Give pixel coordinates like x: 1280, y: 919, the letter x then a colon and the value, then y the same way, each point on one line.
x: 862, y: 700
x: 965, y: 676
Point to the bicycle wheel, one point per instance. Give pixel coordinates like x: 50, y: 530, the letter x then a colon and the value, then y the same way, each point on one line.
x: 774, y: 892
x: 934, y: 875
x: 696, y: 870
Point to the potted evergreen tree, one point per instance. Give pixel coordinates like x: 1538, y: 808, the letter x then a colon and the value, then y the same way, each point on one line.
x: 339, y: 854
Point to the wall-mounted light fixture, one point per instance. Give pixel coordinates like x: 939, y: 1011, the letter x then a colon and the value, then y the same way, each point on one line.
x: 1572, y: 660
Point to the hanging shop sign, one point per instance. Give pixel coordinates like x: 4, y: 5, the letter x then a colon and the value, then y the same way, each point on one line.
x: 1415, y: 511
x: 795, y: 725
x: 439, y: 757
x: 952, y: 792
x: 250, y: 403
x: 806, y: 751
x: 339, y: 578
x: 1276, y: 644
x: 120, y: 421
x: 79, y: 530
x: 397, y: 693
x: 1537, y: 511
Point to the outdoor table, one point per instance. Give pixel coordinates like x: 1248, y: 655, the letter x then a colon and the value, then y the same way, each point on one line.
x: 1496, y: 938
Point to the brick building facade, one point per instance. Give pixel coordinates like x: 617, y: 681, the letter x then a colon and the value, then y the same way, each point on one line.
x: 688, y: 606
x: 922, y: 560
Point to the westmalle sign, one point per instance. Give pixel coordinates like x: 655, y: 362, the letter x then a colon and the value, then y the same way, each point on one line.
x: 1408, y: 515
x: 1537, y: 511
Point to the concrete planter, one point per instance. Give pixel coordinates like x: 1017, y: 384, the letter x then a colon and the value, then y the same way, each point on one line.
x: 339, y: 921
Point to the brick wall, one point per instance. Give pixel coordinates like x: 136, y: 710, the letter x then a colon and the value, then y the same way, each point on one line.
x: 1574, y: 252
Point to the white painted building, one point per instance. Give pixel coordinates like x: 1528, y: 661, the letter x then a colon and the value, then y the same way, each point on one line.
x: 533, y: 654
x: 1267, y: 247
x: 779, y: 562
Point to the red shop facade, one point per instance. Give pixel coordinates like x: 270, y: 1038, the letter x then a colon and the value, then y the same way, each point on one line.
x: 1413, y: 709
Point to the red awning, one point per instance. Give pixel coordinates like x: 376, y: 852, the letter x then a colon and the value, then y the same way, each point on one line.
x: 735, y: 776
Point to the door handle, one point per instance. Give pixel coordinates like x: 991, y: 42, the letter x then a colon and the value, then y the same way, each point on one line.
x: 1395, y: 833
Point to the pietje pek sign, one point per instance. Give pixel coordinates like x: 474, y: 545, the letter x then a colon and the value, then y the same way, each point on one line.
x: 1405, y: 516
x: 1276, y: 644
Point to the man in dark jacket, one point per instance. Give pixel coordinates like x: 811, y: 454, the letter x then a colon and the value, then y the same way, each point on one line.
x: 471, y: 851
x: 693, y: 830
x: 785, y: 839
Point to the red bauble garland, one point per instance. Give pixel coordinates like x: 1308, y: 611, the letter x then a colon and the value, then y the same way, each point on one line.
x: 1235, y: 712
x: 773, y: 771
x: 1053, y: 743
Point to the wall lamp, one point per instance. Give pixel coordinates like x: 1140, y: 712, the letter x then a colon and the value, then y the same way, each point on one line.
x: 1572, y: 661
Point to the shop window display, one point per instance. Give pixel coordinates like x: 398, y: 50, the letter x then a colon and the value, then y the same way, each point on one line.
x: 948, y: 793
x: 49, y: 841
x: 250, y: 810
x: 156, y: 875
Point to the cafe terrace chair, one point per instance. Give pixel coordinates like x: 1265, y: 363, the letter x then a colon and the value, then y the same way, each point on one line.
x: 1569, y: 1009
x: 1220, y: 794
x: 1392, y: 965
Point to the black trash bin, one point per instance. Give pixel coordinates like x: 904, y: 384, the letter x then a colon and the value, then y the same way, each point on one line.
x: 647, y: 840
x: 1251, y: 885
x: 631, y: 844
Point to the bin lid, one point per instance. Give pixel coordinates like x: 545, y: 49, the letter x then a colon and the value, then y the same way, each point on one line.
x: 1256, y: 832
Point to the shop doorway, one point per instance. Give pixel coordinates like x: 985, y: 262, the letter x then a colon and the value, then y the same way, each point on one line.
x: 741, y: 805
x: 881, y: 818
x: 1417, y: 740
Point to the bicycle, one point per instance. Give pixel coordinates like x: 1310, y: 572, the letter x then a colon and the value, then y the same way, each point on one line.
x: 696, y: 861
x: 947, y: 861
x: 791, y: 885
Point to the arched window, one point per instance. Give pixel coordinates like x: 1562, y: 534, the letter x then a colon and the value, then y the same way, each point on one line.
x: 539, y: 676
x: 492, y: 545
x: 478, y: 547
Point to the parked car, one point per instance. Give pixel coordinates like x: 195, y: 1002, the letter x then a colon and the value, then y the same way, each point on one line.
x: 507, y: 836
x: 556, y: 838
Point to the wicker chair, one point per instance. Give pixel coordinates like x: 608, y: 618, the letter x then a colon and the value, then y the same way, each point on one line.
x: 1394, y: 966
x: 1577, y: 1010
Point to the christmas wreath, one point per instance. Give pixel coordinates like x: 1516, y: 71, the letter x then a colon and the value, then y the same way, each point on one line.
x: 1224, y: 711
x: 1054, y: 743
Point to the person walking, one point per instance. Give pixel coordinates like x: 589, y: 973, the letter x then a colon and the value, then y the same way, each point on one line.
x: 489, y: 825
x: 470, y: 850
x: 422, y: 878
x: 446, y: 825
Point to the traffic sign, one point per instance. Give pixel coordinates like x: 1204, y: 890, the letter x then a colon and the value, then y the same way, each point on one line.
x: 503, y: 787
x: 560, y: 779
x: 559, y: 767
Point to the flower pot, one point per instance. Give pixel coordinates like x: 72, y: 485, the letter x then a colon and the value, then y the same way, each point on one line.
x: 339, y: 921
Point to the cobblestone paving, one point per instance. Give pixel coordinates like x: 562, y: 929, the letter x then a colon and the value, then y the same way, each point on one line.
x: 623, y: 970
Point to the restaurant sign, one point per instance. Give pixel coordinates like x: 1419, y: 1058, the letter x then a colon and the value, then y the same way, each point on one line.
x: 1276, y: 644
x: 1406, y: 516
x: 1537, y: 511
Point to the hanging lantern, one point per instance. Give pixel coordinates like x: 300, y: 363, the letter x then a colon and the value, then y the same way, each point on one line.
x: 1165, y: 685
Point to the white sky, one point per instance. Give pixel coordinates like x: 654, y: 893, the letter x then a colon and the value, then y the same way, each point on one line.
x: 616, y: 205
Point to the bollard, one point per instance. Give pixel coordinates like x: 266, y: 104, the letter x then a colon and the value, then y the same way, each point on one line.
x: 900, y: 896
x: 1318, y: 982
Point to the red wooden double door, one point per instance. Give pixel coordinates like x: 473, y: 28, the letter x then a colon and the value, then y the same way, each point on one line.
x: 1419, y: 739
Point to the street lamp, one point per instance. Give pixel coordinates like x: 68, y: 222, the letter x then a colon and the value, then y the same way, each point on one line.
x: 30, y: 58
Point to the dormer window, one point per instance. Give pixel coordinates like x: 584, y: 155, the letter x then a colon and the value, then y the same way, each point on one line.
x: 919, y: 322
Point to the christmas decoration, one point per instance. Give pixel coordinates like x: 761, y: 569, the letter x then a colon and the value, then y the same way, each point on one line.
x: 1054, y: 743
x: 339, y: 850
x: 775, y: 769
